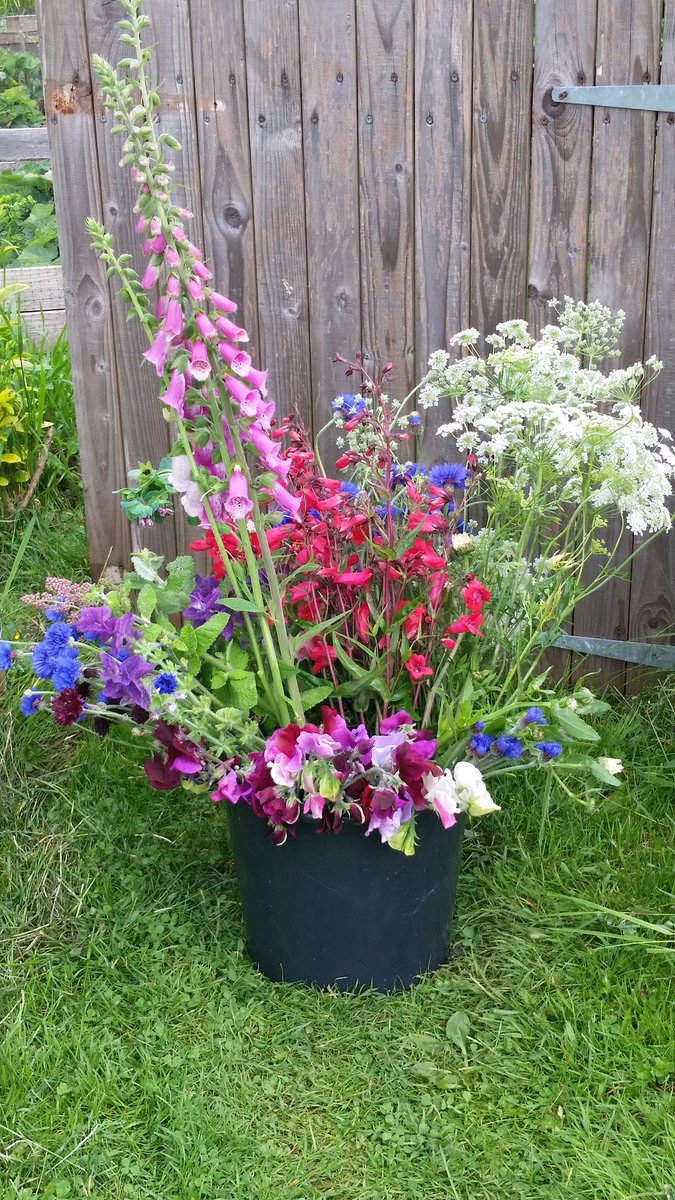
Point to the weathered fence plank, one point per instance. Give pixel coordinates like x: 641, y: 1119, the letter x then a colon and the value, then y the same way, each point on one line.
x: 443, y: 105
x: 623, y: 168
x: 502, y: 85
x: 561, y: 156
x: 225, y: 155
x: 68, y: 103
x: 652, y: 599
x: 329, y: 117
x: 275, y: 123
x: 385, y: 69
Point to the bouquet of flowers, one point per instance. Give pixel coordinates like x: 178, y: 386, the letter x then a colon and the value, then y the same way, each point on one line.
x: 367, y: 647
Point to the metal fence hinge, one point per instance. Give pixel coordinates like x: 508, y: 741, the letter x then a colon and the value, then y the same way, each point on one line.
x: 651, y: 97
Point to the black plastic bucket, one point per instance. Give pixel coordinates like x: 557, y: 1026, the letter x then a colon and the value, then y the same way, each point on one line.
x: 343, y: 909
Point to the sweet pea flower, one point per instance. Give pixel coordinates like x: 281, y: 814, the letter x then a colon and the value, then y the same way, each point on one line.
x: 418, y: 668
x: 472, y: 793
x: 228, y: 788
x: 441, y: 795
x: 321, y: 744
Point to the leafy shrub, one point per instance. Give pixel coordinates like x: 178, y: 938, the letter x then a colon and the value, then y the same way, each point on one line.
x: 21, y: 102
x: 28, y: 234
x: 39, y: 416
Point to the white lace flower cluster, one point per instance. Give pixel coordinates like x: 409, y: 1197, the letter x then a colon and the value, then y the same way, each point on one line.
x: 532, y: 406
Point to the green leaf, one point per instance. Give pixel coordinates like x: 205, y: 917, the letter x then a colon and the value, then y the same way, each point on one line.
x: 147, y: 601
x: 572, y: 725
x: 170, y: 601
x: 237, y: 604
x: 210, y: 630
x: 236, y: 656
x: 458, y: 1029
x: 596, y: 769
x: 244, y: 692
x: 147, y: 565
x: 181, y: 572
x: 317, y: 695
x: 219, y: 679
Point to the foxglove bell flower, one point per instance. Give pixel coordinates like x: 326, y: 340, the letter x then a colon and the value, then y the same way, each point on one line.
x: 238, y: 504
x: 199, y: 365
x: 174, y: 396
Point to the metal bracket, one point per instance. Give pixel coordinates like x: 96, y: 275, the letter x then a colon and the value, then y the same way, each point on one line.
x: 652, y: 97
x: 644, y: 654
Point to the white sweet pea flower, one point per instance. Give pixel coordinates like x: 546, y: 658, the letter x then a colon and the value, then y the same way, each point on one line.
x: 442, y: 795
x: 472, y: 792
x: 613, y: 765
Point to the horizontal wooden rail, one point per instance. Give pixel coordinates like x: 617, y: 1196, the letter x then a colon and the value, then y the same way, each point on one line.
x: 24, y: 144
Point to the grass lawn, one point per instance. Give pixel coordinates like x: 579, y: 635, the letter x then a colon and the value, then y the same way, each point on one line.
x: 143, y: 1056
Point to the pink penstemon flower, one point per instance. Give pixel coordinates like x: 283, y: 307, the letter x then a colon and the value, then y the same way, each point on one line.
x: 238, y: 503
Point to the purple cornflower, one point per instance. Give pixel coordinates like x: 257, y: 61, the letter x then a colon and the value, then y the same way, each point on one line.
x: 448, y: 475
x: 122, y: 680
x: 509, y: 747
x: 481, y: 744
x: 205, y: 601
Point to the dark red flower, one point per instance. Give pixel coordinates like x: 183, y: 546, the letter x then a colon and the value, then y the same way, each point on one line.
x: 67, y: 706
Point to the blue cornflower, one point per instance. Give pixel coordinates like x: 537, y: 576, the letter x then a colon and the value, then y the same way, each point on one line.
x: 67, y: 670
x: 348, y: 405
x: 510, y: 747
x: 481, y: 744
x: 395, y: 512
x: 478, y: 726
x: 550, y: 749
x: 45, y: 658
x: 534, y: 716
x: 57, y: 611
x: 30, y: 703
x: 418, y: 469
x: 415, y: 420
x: 166, y: 683
x: 6, y: 656
x: 447, y: 475
x: 58, y: 635
x: 351, y: 489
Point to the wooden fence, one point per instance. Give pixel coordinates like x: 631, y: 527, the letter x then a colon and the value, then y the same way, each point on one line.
x: 374, y: 174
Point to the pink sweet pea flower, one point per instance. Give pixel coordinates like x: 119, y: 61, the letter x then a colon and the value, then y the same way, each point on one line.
x: 321, y: 744
x: 174, y: 395
x: 222, y: 303
x: 205, y: 326
x: 150, y: 277
x: 238, y: 504
x: 228, y: 788
x: 314, y: 806
x: 158, y: 351
x: 292, y: 504
x: 199, y: 365
x: 229, y: 330
x: 238, y: 360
